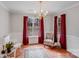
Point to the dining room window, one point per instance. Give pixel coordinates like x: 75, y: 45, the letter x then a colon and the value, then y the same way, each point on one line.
x: 33, y: 26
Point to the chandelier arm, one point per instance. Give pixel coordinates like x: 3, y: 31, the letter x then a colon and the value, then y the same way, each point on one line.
x: 41, y: 11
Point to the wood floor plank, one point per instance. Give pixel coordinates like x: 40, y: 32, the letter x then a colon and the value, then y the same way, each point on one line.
x: 49, y: 52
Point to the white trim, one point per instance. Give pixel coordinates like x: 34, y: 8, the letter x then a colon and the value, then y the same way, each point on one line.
x: 73, y: 51
x: 4, y: 6
x: 69, y: 7
x: 39, y: 0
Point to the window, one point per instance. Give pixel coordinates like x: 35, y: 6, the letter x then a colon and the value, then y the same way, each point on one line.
x: 33, y: 26
x: 59, y: 25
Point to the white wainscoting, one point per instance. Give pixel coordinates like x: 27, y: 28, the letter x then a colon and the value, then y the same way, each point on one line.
x: 17, y: 37
x: 33, y: 39
x: 73, y: 44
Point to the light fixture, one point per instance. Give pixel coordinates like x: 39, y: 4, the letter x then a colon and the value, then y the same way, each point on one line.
x: 41, y: 12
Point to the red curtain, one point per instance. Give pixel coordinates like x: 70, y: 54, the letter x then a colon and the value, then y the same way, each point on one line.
x: 55, y: 29
x: 41, y: 36
x: 25, y: 30
x: 63, y: 31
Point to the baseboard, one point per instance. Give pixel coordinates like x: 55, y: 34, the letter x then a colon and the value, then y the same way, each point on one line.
x: 74, y: 52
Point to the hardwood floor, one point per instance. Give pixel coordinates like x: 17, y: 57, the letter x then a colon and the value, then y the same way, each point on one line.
x: 41, y: 51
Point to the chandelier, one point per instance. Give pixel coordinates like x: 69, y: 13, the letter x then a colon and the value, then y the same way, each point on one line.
x: 41, y: 11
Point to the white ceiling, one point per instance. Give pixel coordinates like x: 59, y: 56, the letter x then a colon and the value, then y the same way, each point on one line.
x: 30, y: 6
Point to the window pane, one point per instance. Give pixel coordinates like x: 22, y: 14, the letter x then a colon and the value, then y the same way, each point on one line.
x: 33, y: 27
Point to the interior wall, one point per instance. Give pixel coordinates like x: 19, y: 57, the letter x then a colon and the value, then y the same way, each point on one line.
x: 72, y: 22
x: 18, y: 18
x: 4, y: 21
x: 16, y: 24
x: 48, y: 23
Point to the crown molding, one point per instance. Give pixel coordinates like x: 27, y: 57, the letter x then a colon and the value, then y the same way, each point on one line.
x: 4, y: 6
x: 75, y: 5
